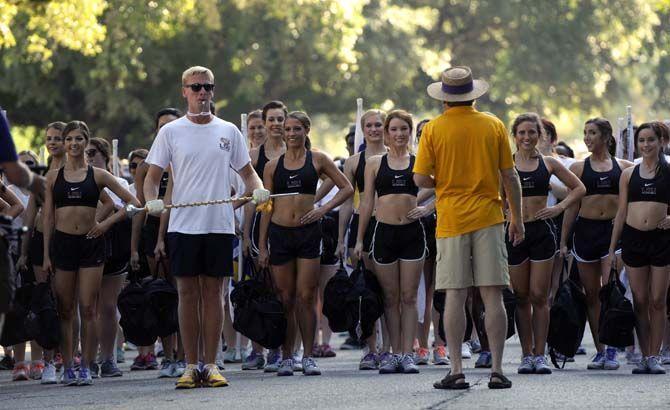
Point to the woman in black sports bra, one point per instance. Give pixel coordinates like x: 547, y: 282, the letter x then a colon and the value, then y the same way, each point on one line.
x: 531, y: 261
x: 599, y: 173
x: 71, y: 199
x: 398, y: 244
x: 642, y: 223
x: 294, y: 233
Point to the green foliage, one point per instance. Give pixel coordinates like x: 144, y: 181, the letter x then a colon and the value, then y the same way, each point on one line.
x: 114, y: 63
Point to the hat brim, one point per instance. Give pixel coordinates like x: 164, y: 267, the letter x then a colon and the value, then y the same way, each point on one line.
x: 480, y: 87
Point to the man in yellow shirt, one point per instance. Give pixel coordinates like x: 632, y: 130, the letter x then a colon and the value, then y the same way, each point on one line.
x: 463, y: 154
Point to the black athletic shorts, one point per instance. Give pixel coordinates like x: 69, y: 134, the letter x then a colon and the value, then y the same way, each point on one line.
x: 209, y: 254
x: 429, y: 225
x: 287, y: 243
x: 539, y: 243
x: 36, y: 249
x: 391, y: 243
x: 255, y: 234
x: 72, y: 252
x: 353, y: 232
x: 591, y: 239
x: 329, y: 233
x: 645, y: 248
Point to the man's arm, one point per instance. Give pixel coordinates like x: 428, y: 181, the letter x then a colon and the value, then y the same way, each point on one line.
x: 152, y: 182
x: 424, y: 181
x: 250, y: 179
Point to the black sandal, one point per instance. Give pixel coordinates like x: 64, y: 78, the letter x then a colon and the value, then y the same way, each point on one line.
x: 449, y: 382
x: 504, y: 382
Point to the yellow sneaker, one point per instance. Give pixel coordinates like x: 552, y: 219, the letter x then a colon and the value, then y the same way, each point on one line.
x: 189, y: 379
x: 212, y: 377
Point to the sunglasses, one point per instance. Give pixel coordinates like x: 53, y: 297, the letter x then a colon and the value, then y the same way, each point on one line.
x: 29, y: 163
x: 91, y: 152
x: 133, y: 165
x: 197, y: 87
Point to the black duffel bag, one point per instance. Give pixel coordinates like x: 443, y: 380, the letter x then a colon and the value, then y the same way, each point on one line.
x: 162, y: 313
x: 132, y: 304
x: 617, y: 317
x: 14, y: 330
x: 567, y: 319
x: 365, y: 301
x: 45, y: 321
x: 509, y: 299
x: 257, y: 312
x: 334, y: 301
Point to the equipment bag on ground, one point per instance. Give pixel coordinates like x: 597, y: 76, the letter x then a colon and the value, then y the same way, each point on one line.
x: 365, y: 301
x: 334, y: 301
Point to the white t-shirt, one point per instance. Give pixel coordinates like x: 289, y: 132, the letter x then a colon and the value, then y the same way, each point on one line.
x: 201, y: 156
x: 118, y: 202
x: 566, y: 161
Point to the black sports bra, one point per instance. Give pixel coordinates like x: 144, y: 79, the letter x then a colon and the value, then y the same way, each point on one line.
x: 392, y: 181
x: 535, y: 183
x: 302, y: 180
x: 359, y: 175
x: 84, y: 193
x: 601, y: 183
x: 656, y: 189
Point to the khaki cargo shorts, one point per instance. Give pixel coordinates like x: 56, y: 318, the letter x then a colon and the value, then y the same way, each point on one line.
x: 476, y: 258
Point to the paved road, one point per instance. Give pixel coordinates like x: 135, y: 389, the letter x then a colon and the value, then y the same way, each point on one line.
x: 344, y: 387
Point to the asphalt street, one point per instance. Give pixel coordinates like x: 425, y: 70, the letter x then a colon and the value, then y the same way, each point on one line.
x: 342, y: 386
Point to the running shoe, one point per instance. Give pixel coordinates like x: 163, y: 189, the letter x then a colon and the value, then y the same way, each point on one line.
x: 286, y: 368
x: 369, y: 362
x: 230, y: 356
x: 190, y: 379
x: 211, y: 377
x: 581, y: 350
x: 633, y: 357
x: 274, y: 361
x: 129, y: 346
x: 327, y: 351
x: 150, y: 362
x: 389, y: 363
x: 76, y: 361
x: 120, y: 355
x: 598, y: 362
x: 309, y: 367
x: 255, y: 361
x: 476, y: 346
x: 611, y: 362
x: 406, y: 364
x: 297, y: 362
x: 20, y: 372
x: 440, y: 356
x: 244, y: 353
x: 85, y: 378
x: 220, y: 364
x: 641, y: 367
x: 179, y: 368
x: 49, y: 374
x: 166, y: 370
x: 466, y: 351
x: 69, y: 377
x: 665, y: 355
x: 109, y: 369
x: 541, y: 365
x: 94, y: 369
x: 654, y: 365
x: 484, y: 361
x: 316, y: 351
x: 139, y: 363
x: 351, y: 344
x: 527, y: 365
x: 422, y: 356
x: 560, y: 357
x: 7, y: 363
x: 36, y: 369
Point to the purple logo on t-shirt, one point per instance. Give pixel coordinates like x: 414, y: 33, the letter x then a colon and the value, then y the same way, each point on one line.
x: 224, y: 144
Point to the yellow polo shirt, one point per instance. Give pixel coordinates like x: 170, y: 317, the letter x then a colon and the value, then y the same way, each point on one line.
x: 464, y: 150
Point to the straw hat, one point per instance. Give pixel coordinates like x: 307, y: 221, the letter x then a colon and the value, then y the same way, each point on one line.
x: 457, y: 85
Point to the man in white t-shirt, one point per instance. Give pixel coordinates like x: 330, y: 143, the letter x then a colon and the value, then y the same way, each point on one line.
x: 203, y: 150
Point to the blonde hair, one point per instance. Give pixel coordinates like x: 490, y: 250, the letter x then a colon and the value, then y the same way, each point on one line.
x: 370, y: 113
x: 194, y: 71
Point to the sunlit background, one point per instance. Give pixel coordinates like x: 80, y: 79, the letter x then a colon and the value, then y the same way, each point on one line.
x: 114, y: 63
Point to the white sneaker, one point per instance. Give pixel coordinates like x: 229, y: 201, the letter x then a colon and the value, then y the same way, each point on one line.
x: 466, y: 351
x: 49, y: 374
x: 665, y: 355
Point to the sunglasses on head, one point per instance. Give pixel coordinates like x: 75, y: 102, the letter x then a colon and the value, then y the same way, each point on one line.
x: 195, y: 87
x: 91, y: 152
x: 29, y: 163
